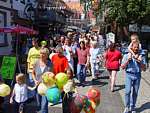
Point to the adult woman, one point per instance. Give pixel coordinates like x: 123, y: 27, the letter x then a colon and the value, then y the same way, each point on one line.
x: 59, y: 61
x: 68, y: 52
x: 113, y: 58
x: 33, y: 56
x: 94, y: 52
x: 82, y: 54
x: 40, y: 67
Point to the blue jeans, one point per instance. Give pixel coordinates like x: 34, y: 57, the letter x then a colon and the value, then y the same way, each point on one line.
x: 132, y: 84
x: 81, y: 72
x: 31, y: 83
x: 43, y: 103
x: 93, y: 69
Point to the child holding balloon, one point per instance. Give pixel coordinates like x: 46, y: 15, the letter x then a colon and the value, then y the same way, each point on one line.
x: 68, y: 91
x: 19, y: 94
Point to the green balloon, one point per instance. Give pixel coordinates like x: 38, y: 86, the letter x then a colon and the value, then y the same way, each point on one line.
x: 61, y: 80
x: 43, y: 43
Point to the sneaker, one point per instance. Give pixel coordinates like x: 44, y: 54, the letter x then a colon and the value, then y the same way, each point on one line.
x: 126, y: 110
x: 133, y: 110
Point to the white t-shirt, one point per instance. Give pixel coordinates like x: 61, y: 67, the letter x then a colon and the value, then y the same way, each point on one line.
x: 67, y: 53
x: 94, y: 52
x: 20, y: 92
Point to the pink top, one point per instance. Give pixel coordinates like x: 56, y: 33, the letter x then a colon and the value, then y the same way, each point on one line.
x: 113, y: 59
x: 82, y: 55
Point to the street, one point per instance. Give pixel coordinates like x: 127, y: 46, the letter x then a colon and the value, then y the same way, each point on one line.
x: 111, y: 102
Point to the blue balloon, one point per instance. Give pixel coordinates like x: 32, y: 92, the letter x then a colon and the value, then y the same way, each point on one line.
x: 53, y: 95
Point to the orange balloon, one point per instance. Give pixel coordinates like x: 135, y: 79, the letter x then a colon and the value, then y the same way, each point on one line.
x: 94, y: 95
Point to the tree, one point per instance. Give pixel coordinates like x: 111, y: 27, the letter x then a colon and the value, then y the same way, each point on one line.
x: 128, y: 11
x: 125, y: 12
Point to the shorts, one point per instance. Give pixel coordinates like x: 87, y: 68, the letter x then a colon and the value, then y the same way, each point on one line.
x: 113, y: 69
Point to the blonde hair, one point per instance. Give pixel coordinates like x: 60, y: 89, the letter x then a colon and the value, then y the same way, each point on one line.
x: 21, y: 78
x: 136, y: 37
x: 44, y: 50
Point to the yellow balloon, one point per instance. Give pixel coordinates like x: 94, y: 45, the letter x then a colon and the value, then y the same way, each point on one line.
x: 42, y: 89
x: 48, y: 79
x: 4, y: 90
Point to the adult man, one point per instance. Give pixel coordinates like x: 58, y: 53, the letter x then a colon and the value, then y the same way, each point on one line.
x: 33, y: 56
x: 133, y: 67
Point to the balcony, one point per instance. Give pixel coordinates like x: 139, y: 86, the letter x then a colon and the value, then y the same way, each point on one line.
x: 77, y: 22
x: 50, y: 16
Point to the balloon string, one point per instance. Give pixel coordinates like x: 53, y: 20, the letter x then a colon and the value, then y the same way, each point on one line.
x: 65, y: 96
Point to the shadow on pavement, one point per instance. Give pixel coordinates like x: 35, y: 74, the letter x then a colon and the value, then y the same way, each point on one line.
x: 103, y: 77
x: 145, y: 106
x: 99, y: 83
x: 30, y: 107
x: 95, y: 82
x: 119, y: 87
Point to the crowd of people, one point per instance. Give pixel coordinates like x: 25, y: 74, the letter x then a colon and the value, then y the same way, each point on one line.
x: 78, y: 55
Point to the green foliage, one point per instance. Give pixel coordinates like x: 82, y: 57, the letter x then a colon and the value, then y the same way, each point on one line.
x: 126, y: 11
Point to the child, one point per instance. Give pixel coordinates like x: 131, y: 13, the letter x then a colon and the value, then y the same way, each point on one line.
x: 134, y: 39
x: 68, y: 92
x: 19, y: 94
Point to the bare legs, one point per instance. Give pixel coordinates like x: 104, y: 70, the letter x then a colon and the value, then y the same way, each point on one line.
x: 112, y: 77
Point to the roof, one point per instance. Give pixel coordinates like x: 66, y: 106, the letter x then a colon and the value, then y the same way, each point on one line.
x: 75, y: 6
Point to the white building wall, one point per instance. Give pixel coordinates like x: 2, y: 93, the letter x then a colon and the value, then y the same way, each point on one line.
x: 17, y: 5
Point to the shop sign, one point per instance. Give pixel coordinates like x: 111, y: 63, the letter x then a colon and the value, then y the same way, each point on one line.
x: 8, y: 67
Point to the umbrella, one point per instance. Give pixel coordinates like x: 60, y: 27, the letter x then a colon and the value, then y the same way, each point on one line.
x: 6, y: 30
x: 18, y: 30
x: 24, y: 30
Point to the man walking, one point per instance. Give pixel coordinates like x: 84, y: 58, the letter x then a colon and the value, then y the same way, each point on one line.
x: 133, y: 67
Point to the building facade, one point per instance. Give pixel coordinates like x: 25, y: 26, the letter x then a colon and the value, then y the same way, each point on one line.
x: 14, y: 12
x: 23, y: 13
x: 5, y: 20
x: 51, y: 16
